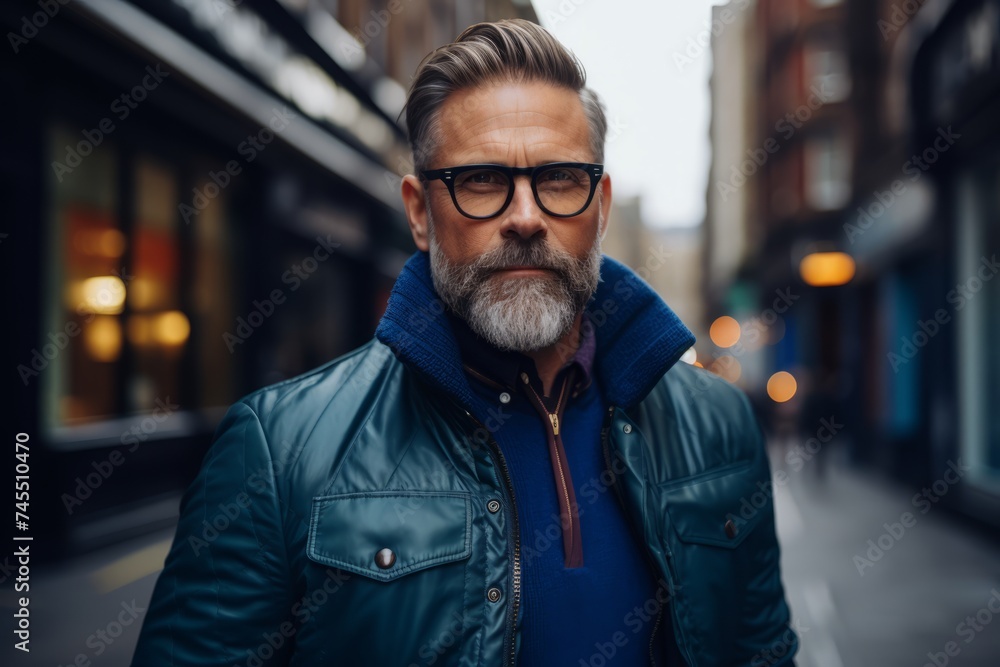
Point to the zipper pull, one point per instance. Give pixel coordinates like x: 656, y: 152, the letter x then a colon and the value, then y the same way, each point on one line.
x: 554, y: 418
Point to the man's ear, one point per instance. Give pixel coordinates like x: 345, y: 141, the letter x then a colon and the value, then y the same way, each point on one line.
x: 604, y: 188
x: 414, y: 195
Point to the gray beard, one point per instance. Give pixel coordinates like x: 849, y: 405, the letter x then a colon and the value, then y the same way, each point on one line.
x: 523, y: 313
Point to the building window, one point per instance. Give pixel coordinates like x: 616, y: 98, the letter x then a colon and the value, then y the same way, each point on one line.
x: 85, y: 295
x: 132, y: 297
x: 976, y: 301
x: 828, y: 169
x: 157, y: 329
x: 826, y: 71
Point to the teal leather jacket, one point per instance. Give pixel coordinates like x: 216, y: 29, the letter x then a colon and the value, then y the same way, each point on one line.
x: 278, y: 557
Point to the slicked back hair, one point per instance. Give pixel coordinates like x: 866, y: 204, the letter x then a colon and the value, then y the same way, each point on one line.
x: 507, y: 51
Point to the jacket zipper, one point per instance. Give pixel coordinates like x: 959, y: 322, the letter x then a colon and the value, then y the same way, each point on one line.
x: 573, y: 518
x: 514, y: 535
x: 605, y: 430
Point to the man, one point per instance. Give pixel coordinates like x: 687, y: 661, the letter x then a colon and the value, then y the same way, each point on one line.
x: 515, y: 470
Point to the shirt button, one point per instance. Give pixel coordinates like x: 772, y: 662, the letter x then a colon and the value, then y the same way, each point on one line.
x: 627, y: 428
x: 524, y: 378
x: 505, y: 397
x: 493, y: 506
x: 730, y: 529
x: 493, y: 595
x: 385, y: 558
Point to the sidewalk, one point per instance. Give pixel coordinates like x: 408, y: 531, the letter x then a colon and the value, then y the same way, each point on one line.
x: 909, y: 594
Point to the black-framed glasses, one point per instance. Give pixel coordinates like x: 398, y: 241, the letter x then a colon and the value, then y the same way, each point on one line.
x: 482, y: 191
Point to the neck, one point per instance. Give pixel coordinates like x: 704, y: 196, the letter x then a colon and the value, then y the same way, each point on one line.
x: 548, y: 360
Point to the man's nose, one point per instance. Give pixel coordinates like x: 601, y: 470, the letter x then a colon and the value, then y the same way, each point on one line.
x: 523, y: 217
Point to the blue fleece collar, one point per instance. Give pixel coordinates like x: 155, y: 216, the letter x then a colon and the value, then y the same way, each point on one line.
x: 638, y: 336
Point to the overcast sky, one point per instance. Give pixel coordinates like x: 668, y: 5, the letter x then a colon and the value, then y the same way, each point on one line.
x: 658, y: 106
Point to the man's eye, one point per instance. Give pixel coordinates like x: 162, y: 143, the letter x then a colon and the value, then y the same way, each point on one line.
x: 558, y: 175
x: 484, y: 178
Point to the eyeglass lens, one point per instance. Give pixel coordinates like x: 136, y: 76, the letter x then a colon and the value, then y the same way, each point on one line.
x: 561, y: 191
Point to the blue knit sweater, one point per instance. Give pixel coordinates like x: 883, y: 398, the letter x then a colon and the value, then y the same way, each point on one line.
x: 602, y: 613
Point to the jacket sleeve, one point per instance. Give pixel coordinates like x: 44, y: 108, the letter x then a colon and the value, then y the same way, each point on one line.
x: 768, y: 639
x: 223, y: 595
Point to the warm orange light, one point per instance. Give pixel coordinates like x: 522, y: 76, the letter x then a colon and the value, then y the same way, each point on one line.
x: 827, y: 269
x: 172, y: 328
x: 725, y: 331
x: 104, y: 295
x: 102, y: 338
x: 727, y: 367
x: 781, y: 387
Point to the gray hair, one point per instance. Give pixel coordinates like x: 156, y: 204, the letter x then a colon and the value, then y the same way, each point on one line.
x: 507, y: 51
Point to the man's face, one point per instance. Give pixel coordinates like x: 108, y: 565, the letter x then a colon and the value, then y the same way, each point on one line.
x: 472, y: 261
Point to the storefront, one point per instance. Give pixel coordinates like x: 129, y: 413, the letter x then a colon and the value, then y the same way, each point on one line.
x: 198, y: 208
x: 956, y: 92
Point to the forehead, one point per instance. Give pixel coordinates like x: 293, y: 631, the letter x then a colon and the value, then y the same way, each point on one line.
x: 514, y: 123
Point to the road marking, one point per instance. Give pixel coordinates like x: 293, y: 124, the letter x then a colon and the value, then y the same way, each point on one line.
x: 131, y: 568
x: 820, y: 645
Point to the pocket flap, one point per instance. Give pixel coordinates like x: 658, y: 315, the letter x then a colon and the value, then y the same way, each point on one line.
x: 421, y: 528
x: 719, y: 510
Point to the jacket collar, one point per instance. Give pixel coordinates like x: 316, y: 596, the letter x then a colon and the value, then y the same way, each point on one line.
x: 638, y: 337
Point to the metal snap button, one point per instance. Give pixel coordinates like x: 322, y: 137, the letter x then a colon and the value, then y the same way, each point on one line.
x: 627, y: 428
x: 505, y: 397
x: 493, y: 595
x: 493, y: 506
x: 385, y: 558
x: 730, y: 529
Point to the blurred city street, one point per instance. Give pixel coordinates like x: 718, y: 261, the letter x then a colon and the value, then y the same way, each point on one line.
x: 204, y: 198
x: 910, y: 603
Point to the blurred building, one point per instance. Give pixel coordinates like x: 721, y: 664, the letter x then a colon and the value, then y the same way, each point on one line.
x: 175, y: 173
x: 870, y: 175
x: 669, y: 259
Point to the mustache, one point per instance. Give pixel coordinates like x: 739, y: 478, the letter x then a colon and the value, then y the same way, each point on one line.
x: 536, y: 255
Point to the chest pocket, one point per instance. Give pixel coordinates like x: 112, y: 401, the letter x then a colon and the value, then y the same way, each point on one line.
x: 721, y: 507
x: 419, y: 529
